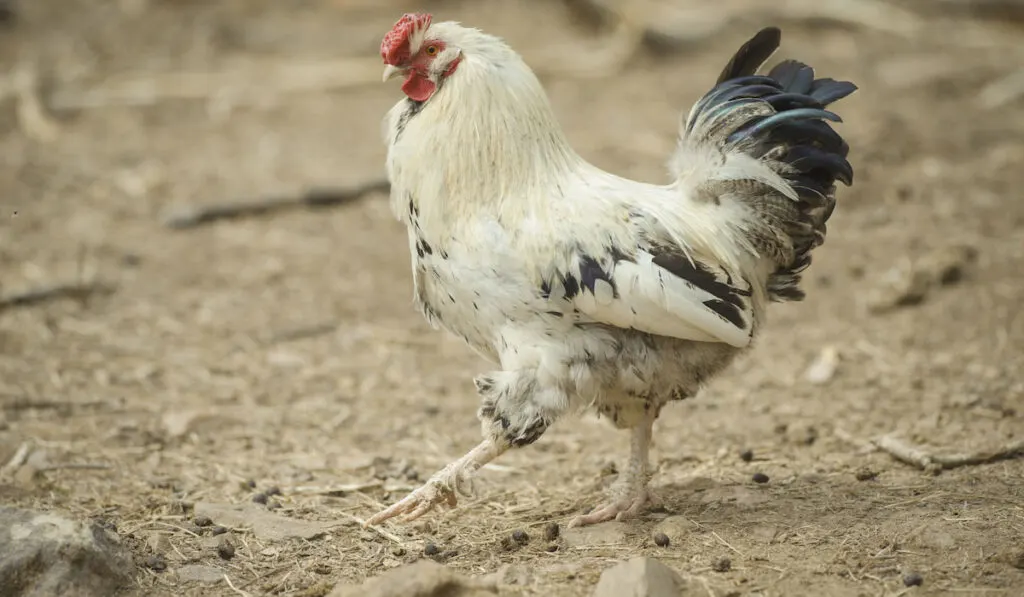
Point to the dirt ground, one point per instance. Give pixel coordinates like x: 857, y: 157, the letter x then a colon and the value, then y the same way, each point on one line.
x: 284, y: 349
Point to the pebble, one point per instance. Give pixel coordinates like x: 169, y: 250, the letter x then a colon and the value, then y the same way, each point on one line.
x: 913, y: 580
x: 202, y: 521
x: 431, y: 549
x: 226, y: 551
x: 520, y: 536
x: 865, y: 474
x: 661, y: 540
x: 760, y: 478
x: 721, y: 565
x: 640, y: 577
x: 260, y: 498
x: 551, y: 531
x: 156, y: 563
x: 747, y: 455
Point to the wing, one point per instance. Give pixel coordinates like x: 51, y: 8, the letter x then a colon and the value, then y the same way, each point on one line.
x: 659, y: 290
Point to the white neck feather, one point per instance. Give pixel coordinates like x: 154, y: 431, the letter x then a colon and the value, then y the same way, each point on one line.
x: 486, y: 143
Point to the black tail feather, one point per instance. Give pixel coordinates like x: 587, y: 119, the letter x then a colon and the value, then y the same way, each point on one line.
x: 781, y: 118
x: 752, y: 54
x: 827, y: 91
x: 795, y: 77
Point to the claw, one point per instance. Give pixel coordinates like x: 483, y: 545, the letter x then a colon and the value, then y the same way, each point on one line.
x: 417, y: 503
x: 443, y: 487
x: 620, y: 509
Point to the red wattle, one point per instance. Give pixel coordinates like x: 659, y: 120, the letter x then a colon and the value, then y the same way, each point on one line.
x: 418, y: 87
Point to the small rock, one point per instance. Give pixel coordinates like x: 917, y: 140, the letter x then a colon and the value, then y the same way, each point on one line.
x: 259, y: 498
x: 430, y: 549
x: 275, y: 490
x: 264, y: 524
x: 156, y: 563
x: 551, y: 531
x: 912, y: 579
x: 824, y: 367
x: 226, y: 550
x: 202, y: 521
x: 551, y: 548
x: 199, y: 573
x: 1016, y: 559
x: 661, y: 539
x: 760, y: 478
x: 44, y: 553
x: 802, y: 434
x: 520, y: 537
x: 274, y: 505
x: 865, y: 474
x: 639, y: 577
x: 218, y: 530
x: 747, y: 455
x: 721, y: 565
x: 424, y: 578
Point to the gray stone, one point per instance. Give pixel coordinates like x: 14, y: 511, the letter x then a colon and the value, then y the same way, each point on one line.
x: 424, y: 578
x: 199, y: 573
x: 639, y: 577
x: 45, y: 554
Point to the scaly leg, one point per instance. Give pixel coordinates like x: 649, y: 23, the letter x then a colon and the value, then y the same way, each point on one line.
x: 629, y: 494
x: 442, y: 487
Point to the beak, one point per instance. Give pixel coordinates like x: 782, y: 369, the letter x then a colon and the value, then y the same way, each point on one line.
x: 391, y: 71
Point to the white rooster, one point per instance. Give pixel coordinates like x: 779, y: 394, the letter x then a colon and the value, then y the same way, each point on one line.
x: 583, y: 288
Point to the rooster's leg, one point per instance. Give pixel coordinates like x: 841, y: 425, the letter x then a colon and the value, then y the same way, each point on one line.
x: 442, y: 487
x: 629, y: 494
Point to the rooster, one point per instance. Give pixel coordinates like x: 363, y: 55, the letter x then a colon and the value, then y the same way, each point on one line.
x: 585, y: 289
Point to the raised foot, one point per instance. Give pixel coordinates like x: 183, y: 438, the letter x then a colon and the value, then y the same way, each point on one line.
x: 433, y: 493
x: 441, y: 488
x: 620, y: 508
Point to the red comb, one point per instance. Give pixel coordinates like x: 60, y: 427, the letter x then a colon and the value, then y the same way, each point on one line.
x: 395, y: 47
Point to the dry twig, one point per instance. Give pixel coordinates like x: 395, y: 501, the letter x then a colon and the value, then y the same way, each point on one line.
x: 35, y: 122
x: 923, y: 460
x: 934, y: 463
x: 80, y: 291
x: 195, y: 215
x: 334, y: 490
x: 1003, y: 90
x: 234, y: 588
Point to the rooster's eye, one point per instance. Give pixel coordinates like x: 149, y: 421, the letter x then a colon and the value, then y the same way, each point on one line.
x: 431, y: 50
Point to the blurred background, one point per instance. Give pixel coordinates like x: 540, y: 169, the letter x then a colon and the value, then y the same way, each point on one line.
x: 204, y: 296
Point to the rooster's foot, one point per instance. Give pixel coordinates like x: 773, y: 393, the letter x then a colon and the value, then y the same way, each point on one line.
x: 620, y: 508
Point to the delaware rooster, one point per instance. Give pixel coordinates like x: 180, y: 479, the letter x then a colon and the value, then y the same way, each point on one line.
x: 585, y: 289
